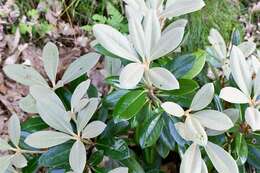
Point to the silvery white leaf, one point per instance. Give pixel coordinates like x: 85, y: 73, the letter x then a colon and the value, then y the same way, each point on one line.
x: 168, y: 42
x: 152, y: 31
x: 79, y: 67
x: 196, y: 131
x: 4, y: 145
x: 79, y: 93
x: 24, y: 74
x: 115, y: 42
x: 50, y: 57
x: 203, y: 97
x: 154, y: 4
x: 252, y: 117
x: 46, y: 139
x: 137, y: 34
x: 240, y: 71
x: 176, y: 24
x: 139, y: 5
x: 19, y: 161
x: 173, y: 109
x: 93, y: 129
x: 222, y: 160
x: 257, y: 84
x: 77, y: 157
x: 86, y: 114
x: 14, y: 129
x: 112, y: 67
x: 28, y: 104
x: 255, y: 63
x: 191, y: 161
x: 5, y: 162
x: 134, y: 11
x: 82, y: 103
x: 233, y: 95
x: 131, y: 75
x: 218, y: 44
x: 163, y: 79
x: 119, y: 170
x: 180, y: 7
x: 247, y: 47
x: 180, y: 127
x: 214, y: 120
x: 204, y: 168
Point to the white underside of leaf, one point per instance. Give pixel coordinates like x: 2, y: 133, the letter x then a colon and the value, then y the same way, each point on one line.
x: 77, y: 157
x: 252, y: 117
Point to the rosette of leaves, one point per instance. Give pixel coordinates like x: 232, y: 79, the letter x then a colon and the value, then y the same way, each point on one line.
x: 53, y: 113
x: 28, y: 76
x: 196, y: 120
x: 147, y: 43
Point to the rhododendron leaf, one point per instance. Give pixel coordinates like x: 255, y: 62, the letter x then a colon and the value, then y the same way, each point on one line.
x: 77, y: 157
x: 4, y: 145
x: 247, y: 47
x: 218, y: 44
x: 233, y: 95
x: 93, y: 129
x: 14, y: 129
x: 180, y: 127
x: 50, y: 57
x: 19, y: 161
x: 252, y: 117
x: 28, y: 104
x: 79, y: 93
x: 256, y: 84
x: 119, y: 170
x: 173, y: 109
x: 204, y: 168
x: 5, y: 162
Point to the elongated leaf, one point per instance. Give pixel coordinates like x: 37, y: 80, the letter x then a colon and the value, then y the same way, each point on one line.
x: 34, y: 124
x: 28, y: 104
x: 233, y: 95
x: 151, y: 131
x: 130, y: 104
x: 79, y: 93
x: 256, y: 85
x: 241, y: 149
x: 115, y: 42
x: 78, y: 157
x: 119, y: 170
x: 218, y: 44
x: 131, y: 75
x: 50, y: 56
x: 173, y: 109
x: 252, y: 117
x: 203, y: 97
x: 24, y: 74
x: 178, y: 8
x: 191, y: 161
x: 5, y: 162
x: 14, y: 129
x: 163, y: 79
x: 19, y: 161
x: 79, y: 67
x: 247, y: 48
x: 46, y: 139
x: 222, y: 160
x: 253, y: 156
x: 96, y: 158
x: 4, y: 145
x: 133, y: 165
x: 187, y: 86
x: 93, y: 129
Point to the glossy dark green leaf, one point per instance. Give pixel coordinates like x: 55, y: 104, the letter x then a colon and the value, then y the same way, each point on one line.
x: 241, y: 149
x: 253, y: 139
x: 113, y: 81
x: 151, y: 131
x: 64, y: 95
x: 162, y: 149
x: 180, y: 65
x: 114, y: 129
x: 130, y: 104
x: 56, y: 157
x: 34, y: 124
x: 236, y: 37
x: 111, y: 99
x: 254, y: 156
x: 100, y: 49
x: 116, y: 149
x: 150, y: 155
x: 96, y: 158
x: 133, y: 165
x: 32, y: 165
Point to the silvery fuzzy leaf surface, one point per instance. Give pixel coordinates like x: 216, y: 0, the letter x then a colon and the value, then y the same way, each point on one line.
x: 247, y: 47
x: 191, y: 161
x: 131, y: 75
x: 19, y: 161
x: 4, y: 145
x: 163, y: 79
x: 119, y: 170
x: 115, y: 42
x: 203, y: 97
x: 50, y: 57
x: 82, y: 104
x: 233, y: 95
x: 93, y: 129
x: 204, y: 168
x: 5, y: 162
x: 240, y: 71
x: 86, y: 114
x: 77, y: 157
x: 14, y: 129
x: 24, y: 74
x: 112, y: 67
x: 180, y: 127
x: 28, y: 104
x: 256, y: 84
x: 180, y: 7
x: 218, y: 44
x: 252, y: 117
x: 79, y: 93
x: 173, y: 109
x: 79, y: 67
x: 214, y: 120
x: 221, y: 160
x: 176, y: 24
x: 46, y: 139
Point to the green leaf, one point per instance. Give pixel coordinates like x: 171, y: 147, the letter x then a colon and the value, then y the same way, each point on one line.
x: 162, y: 149
x: 130, y: 104
x: 115, y: 149
x: 197, y: 66
x: 56, y: 157
x: 150, y: 155
x: 24, y: 74
x: 241, y: 149
x: 253, y: 156
x: 132, y: 165
x: 187, y: 86
x: 34, y: 124
x: 111, y: 99
x: 96, y: 158
x: 151, y: 131
x: 100, y: 49
x: 32, y: 166
x: 180, y: 65
x: 236, y: 37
